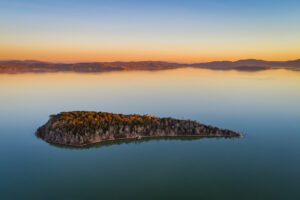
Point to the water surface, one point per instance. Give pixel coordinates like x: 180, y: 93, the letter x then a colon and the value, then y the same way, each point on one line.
x: 263, y: 105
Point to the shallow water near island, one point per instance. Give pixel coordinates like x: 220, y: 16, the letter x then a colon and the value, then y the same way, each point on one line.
x: 263, y: 105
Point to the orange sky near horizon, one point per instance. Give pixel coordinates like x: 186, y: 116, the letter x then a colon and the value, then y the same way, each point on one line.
x: 122, y: 54
x: 174, y: 31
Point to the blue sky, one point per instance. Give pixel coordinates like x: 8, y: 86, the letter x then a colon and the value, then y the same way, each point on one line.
x: 137, y: 30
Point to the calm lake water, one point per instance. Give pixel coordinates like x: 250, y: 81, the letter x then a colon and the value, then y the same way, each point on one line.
x: 264, y: 106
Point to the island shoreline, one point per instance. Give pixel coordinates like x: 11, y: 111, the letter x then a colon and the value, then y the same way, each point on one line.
x: 141, y: 138
x: 82, y: 128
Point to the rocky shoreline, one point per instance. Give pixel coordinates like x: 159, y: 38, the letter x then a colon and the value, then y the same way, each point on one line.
x: 80, y: 128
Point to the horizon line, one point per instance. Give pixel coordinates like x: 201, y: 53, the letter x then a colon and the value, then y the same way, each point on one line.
x: 75, y: 62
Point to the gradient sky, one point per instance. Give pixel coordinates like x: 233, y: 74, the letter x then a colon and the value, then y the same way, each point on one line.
x: 169, y: 30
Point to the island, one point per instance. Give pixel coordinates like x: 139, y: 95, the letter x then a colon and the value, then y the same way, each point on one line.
x: 80, y: 128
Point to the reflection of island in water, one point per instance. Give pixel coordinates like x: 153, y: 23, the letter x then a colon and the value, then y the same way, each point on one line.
x: 135, y: 141
x: 80, y: 128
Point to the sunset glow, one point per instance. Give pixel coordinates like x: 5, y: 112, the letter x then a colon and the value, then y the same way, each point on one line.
x: 180, y: 31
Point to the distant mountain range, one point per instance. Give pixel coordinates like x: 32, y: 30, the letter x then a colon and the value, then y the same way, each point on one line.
x: 23, y: 66
x: 250, y: 64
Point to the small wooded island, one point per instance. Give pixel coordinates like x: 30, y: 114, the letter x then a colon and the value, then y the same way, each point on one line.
x: 79, y: 128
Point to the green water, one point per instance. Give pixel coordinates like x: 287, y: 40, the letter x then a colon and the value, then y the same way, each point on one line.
x: 264, y: 106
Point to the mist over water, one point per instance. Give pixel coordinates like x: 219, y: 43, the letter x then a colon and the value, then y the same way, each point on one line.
x: 263, y: 105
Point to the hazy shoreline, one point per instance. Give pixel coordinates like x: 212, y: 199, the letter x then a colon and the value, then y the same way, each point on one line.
x: 16, y: 66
